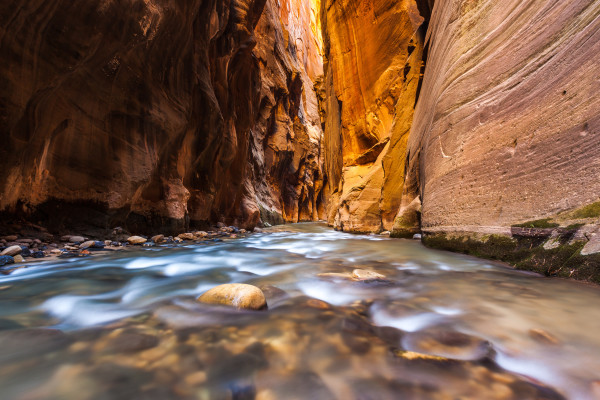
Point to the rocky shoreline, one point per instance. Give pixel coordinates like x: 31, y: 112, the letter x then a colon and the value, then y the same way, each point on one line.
x: 20, y: 250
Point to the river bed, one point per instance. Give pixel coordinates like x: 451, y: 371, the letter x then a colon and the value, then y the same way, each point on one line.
x: 126, y: 325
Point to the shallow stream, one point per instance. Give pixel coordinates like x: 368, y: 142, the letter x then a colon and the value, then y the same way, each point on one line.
x: 440, y: 326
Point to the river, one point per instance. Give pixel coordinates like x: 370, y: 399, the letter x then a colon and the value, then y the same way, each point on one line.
x: 126, y: 325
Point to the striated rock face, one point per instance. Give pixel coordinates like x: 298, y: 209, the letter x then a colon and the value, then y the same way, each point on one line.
x: 507, y: 128
x: 374, y: 51
x: 159, y: 113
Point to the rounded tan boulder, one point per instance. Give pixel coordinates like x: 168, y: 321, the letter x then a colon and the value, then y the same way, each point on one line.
x: 136, y: 240
x: 238, y: 295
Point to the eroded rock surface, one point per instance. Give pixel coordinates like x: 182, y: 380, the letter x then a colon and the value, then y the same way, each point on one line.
x: 159, y: 113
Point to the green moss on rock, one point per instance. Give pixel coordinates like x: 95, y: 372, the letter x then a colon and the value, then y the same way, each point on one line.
x: 526, y: 253
x: 538, y: 223
x: 589, y: 211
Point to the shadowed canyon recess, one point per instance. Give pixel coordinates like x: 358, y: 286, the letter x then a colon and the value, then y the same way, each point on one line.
x: 475, y: 123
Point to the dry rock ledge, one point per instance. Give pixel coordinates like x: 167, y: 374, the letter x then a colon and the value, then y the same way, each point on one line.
x: 238, y: 295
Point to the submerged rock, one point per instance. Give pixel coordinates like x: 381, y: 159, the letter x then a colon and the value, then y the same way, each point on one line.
x: 238, y: 295
x: 366, y: 275
x: 136, y: 240
x: 11, y: 251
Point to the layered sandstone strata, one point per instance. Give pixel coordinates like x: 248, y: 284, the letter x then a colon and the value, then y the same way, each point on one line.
x: 374, y: 52
x: 157, y: 113
x: 507, y: 127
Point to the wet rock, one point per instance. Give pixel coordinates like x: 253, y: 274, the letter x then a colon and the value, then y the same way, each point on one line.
x: 11, y: 251
x: 447, y: 343
x: 273, y: 294
x: 258, y: 230
x: 238, y: 295
x: 366, y: 275
x: 187, y: 236
x: 158, y: 238
x: 541, y: 336
x: 136, y: 240
x: 95, y: 244
x: 32, y: 342
x: 38, y: 254
x: 18, y: 258
x: 73, y: 238
x: 4, y: 260
x: 130, y: 342
x: 26, y: 252
x: 201, y: 234
x: 10, y: 238
x: 593, y: 246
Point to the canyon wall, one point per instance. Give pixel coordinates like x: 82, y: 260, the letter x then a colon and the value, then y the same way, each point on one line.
x: 155, y: 113
x: 507, y: 128
x: 374, y: 52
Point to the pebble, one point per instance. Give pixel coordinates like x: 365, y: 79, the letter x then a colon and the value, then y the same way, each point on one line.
x: 136, y: 240
x: 186, y: 236
x: 11, y: 251
x: 238, y: 295
x: 6, y: 260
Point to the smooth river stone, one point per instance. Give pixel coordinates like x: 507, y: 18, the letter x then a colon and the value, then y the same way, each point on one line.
x: 136, y: 240
x: 238, y: 295
x: 11, y: 251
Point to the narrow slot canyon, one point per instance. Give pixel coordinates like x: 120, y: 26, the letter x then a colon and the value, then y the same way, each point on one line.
x: 299, y: 199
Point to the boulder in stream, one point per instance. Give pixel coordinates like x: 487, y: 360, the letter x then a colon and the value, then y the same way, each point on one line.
x: 238, y: 295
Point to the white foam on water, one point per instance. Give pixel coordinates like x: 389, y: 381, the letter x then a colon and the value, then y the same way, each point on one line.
x: 412, y: 323
x: 446, y: 310
x: 328, y: 293
x: 145, y: 262
x: 183, y: 268
x: 84, y: 311
x: 541, y: 371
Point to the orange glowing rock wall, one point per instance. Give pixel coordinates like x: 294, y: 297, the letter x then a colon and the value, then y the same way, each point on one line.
x: 374, y: 51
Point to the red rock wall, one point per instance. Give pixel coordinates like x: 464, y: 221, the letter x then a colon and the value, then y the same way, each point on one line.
x: 507, y: 128
x: 158, y: 113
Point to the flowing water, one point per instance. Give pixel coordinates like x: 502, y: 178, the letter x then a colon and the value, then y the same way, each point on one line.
x: 441, y: 326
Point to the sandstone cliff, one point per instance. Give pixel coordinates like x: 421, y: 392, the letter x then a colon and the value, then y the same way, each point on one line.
x: 154, y: 113
x: 374, y: 52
